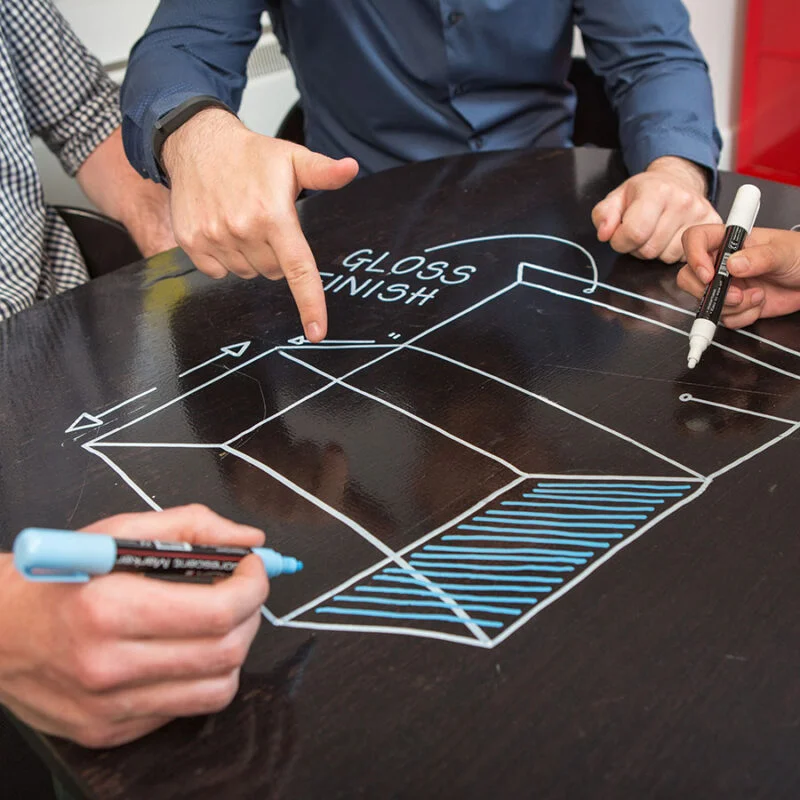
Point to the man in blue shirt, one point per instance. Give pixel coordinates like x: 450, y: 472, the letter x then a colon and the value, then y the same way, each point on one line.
x: 391, y: 81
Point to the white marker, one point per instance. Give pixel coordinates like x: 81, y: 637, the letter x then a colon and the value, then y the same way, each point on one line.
x: 740, y: 223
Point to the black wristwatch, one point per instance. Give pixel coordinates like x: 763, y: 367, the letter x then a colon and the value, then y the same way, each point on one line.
x: 172, y: 120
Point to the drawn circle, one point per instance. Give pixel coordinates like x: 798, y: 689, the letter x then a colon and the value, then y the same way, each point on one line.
x: 685, y: 397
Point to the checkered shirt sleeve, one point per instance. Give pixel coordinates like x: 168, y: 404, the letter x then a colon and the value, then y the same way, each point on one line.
x: 51, y: 87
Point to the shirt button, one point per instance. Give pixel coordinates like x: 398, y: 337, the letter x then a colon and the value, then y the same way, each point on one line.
x: 478, y: 142
x: 454, y: 17
x: 457, y: 89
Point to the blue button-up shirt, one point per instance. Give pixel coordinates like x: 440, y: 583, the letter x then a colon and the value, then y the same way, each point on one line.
x: 392, y: 81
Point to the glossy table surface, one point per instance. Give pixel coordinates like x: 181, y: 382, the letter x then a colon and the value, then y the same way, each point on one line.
x: 542, y: 557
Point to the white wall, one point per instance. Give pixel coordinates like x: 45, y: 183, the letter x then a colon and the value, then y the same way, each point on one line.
x: 718, y: 26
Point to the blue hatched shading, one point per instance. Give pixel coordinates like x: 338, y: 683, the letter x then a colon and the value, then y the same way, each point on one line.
x: 495, y: 566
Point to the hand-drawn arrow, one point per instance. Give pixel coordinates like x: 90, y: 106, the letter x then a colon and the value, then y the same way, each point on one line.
x: 83, y: 422
x: 298, y: 340
x: 86, y: 420
x: 235, y: 350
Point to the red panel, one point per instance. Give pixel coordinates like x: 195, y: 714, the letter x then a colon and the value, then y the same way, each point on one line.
x: 769, y: 134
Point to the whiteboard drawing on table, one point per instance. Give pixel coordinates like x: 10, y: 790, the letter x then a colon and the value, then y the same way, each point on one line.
x: 525, y: 537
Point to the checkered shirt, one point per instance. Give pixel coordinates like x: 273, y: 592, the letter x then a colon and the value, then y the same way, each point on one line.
x: 51, y: 87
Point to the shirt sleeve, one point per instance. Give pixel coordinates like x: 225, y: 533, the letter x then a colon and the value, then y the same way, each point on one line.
x: 656, y: 79
x: 190, y: 48
x: 68, y: 99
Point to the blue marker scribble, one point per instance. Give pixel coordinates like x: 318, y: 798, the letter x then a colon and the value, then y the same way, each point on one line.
x: 491, y: 568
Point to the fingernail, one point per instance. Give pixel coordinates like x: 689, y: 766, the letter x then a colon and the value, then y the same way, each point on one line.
x: 705, y: 274
x: 314, y: 331
x: 757, y: 297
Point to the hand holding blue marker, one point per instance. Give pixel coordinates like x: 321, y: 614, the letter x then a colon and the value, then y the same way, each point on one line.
x: 41, y: 554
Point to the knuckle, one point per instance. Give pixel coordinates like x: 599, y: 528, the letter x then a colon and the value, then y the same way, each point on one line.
x: 221, y: 620
x: 199, y: 513
x: 222, y: 691
x: 229, y: 654
x: 298, y: 272
x: 637, y: 234
x: 648, y: 251
x: 93, y: 615
x: 94, y: 736
x: 241, y: 226
x: 94, y: 674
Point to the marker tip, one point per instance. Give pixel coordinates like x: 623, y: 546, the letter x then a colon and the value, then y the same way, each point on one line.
x: 692, y: 363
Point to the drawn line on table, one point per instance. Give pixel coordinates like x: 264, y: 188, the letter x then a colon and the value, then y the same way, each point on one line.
x: 362, y: 612
x: 560, y: 407
x: 651, y: 300
x: 425, y: 563
x: 409, y: 414
x: 191, y: 445
x: 580, y: 506
x: 551, y: 518
x: 355, y: 527
x: 414, y: 545
x: 587, y: 497
x: 477, y: 576
x: 518, y: 538
x: 666, y: 326
x: 125, y: 477
x: 538, y: 520
x: 479, y: 598
x: 755, y: 452
x: 592, y: 263
x: 126, y: 402
x: 597, y: 485
x: 424, y: 633
x: 585, y: 573
x: 477, y: 554
x: 610, y: 481
x: 686, y: 397
x: 190, y: 392
x: 271, y: 417
x: 490, y: 609
x: 462, y: 587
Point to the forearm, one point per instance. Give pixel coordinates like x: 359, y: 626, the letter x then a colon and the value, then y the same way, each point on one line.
x: 178, y: 59
x: 656, y: 78
x: 112, y: 184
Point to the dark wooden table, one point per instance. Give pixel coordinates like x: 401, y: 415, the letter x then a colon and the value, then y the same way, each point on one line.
x: 543, y: 558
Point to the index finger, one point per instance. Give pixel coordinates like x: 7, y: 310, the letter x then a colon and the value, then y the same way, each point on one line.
x: 194, y: 523
x: 298, y: 265
x: 699, y: 242
x: 136, y: 607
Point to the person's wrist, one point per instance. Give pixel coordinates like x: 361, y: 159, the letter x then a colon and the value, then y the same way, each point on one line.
x: 684, y: 170
x: 195, y: 135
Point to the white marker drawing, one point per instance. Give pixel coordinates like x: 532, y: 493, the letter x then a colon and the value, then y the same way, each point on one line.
x: 234, y: 350
x: 479, y: 575
x: 86, y: 420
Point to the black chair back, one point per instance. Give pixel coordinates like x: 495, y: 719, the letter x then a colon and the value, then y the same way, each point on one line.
x: 105, y: 244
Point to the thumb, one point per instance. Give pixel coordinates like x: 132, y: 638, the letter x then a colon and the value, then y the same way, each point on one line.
x: 761, y: 260
x: 607, y: 214
x: 316, y: 171
x: 250, y: 573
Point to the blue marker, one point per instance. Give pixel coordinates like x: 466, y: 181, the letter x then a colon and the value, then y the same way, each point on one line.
x: 41, y: 554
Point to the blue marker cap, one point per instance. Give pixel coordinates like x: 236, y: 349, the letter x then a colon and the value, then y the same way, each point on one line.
x: 41, y: 554
x: 275, y: 564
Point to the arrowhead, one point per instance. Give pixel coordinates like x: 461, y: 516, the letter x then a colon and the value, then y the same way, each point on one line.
x: 83, y: 422
x: 297, y: 340
x: 235, y: 350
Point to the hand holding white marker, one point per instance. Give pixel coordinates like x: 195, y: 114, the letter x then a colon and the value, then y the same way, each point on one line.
x: 738, y: 226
